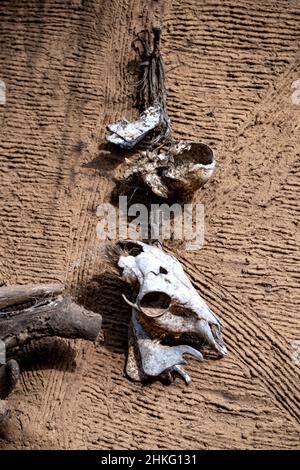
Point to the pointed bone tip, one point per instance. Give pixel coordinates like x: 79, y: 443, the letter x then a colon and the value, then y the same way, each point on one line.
x: 222, y: 350
x: 180, y: 371
x: 185, y: 349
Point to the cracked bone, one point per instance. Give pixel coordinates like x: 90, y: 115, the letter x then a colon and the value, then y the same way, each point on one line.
x: 127, y: 134
x: 166, y: 306
x: 182, y: 169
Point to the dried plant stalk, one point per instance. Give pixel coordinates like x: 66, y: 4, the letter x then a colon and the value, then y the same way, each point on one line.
x: 152, y: 97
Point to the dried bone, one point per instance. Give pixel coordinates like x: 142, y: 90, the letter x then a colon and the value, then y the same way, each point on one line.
x: 168, y: 168
x: 180, y: 171
x: 36, y: 311
x: 128, y: 134
x: 166, y: 306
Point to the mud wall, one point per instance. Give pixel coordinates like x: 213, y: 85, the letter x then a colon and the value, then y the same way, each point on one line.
x: 66, y: 66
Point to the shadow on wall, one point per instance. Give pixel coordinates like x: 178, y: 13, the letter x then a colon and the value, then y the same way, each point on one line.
x: 103, y: 294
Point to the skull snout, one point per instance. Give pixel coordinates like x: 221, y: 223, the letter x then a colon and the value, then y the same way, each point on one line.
x: 211, y: 333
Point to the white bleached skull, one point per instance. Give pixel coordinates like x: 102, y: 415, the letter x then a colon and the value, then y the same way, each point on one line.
x: 167, y: 306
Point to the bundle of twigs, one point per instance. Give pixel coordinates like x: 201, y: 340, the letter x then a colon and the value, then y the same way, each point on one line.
x: 152, y: 87
x: 153, y: 128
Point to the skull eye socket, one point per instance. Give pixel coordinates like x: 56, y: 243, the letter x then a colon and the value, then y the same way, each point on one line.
x: 154, y: 304
x: 162, y: 270
x: 130, y: 248
x: 198, y: 153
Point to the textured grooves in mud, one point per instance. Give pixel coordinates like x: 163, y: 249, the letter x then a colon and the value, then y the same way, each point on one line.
x: 65, y: 65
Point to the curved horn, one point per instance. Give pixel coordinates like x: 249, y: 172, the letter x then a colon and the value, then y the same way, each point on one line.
x: 130, y: 303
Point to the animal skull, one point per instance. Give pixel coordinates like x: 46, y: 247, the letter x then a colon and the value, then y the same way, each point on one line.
x: 167, y: 306
x: 182, y: 169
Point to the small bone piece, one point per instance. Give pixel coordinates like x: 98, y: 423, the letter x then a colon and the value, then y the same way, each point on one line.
x: 128, y: 134
x: 166, y: 306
